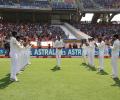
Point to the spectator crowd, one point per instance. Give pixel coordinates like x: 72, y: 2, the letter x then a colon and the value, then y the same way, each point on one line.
x: 36, y: 31
x: 99, y: 29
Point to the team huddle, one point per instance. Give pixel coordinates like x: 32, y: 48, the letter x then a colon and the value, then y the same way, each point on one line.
x: 20, y: 50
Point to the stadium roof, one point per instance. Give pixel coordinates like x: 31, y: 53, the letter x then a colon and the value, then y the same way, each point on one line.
x: 89, y: 16
x: 116, y: 17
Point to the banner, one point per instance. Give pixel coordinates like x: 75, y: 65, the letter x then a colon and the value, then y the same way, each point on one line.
x: 2, y: 51
x: 51, y: 52
x: 65, y: 52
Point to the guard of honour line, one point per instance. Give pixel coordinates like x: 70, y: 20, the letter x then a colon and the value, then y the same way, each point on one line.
x: 20, y: 50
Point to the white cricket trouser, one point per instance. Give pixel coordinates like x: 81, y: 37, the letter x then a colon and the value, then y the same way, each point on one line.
x: 24, y: 55
x: 84, y: 54
x: 91, y: 57
x: 14, y: 65
x: 114, y: 59
x: 23, y: 59
x: 19, y: 62
x: 28, y: 56
x: 101, y: 60
x: 58, y: 56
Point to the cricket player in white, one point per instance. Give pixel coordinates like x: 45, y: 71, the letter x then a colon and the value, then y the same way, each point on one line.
x: 18, y: 50
x: 58, y: 45
x: 84, y: 51
x: 25, y: 58
x: 91, y: 52
x: 101, y: 47
x: 28, y: 51
x: 28, y: 54
x: 14, y: 45
x: 24, y: 54
x: 115, y: 54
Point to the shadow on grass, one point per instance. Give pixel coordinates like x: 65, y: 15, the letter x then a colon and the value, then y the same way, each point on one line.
x: 91, y: 68
x: 5, y: 82
x: 83, y: 64
x: 55, y: 68
x: 117, y: 82
x: 102, y: 72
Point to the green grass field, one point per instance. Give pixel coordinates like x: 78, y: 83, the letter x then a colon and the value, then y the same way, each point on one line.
x: 73, y: 82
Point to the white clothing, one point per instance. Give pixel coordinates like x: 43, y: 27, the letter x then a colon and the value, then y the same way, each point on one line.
x: 115, y: 54
x: 58, y: 45
x: 14, y: 48
x: 101, y: 47
x: 91, y: 53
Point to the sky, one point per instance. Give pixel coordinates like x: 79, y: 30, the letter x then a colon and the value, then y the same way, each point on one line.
x: 89, y: 16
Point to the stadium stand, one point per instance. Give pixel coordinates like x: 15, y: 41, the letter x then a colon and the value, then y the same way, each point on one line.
x: 108, y: 3
x: 87, y: 4
x: 34, y: 3
x: 99, y: 29
x: 63, y: 4
x: 34, y: 31
x: 49, y: 32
